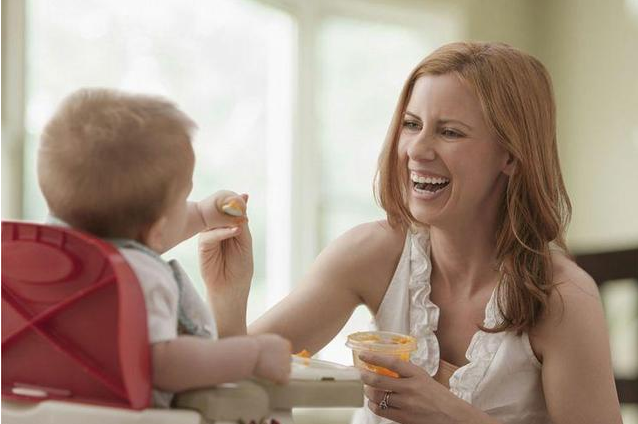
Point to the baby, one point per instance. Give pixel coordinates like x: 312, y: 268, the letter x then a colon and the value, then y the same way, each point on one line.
x: 120, y: 166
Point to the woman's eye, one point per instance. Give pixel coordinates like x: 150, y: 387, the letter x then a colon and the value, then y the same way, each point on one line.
x: 448, y: 133
x: 411, y: 125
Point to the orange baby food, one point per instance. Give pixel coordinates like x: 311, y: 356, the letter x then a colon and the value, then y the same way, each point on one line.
x: 233, y: 208
x: 383, y: 343
x: 305, y: 355
x: 381, y: 370
x: 384, y: 371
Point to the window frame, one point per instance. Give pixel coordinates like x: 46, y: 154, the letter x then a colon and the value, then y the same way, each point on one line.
x: 13, y: 107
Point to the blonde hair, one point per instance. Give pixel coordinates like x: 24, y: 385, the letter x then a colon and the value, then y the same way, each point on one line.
x: 111, y: 162
x: 515, y: 93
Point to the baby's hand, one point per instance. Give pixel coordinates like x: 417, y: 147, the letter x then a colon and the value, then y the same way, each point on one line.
x: 223, y: 209
x: 273, y: 362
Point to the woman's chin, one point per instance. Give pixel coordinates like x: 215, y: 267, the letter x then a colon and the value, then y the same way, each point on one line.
x: 424, y: 215
x: 427, y: 208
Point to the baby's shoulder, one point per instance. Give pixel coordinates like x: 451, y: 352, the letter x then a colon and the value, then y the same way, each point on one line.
x: 150, y: 273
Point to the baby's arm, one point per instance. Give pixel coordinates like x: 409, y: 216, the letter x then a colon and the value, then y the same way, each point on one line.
x: 188, y: 362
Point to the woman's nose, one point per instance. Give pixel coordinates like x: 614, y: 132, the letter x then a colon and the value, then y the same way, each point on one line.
x: 422, y: 148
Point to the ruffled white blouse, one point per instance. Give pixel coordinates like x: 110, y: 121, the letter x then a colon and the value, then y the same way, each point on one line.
x: 502, y: 378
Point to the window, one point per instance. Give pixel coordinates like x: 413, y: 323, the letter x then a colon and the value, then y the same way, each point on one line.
x: 363, y: 64
x: 293, y: 112
x: 235, y: 84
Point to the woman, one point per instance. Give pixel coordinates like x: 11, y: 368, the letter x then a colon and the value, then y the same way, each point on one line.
x: 471, y: 260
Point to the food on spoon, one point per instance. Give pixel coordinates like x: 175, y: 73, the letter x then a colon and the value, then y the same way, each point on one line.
x: 233, y: 208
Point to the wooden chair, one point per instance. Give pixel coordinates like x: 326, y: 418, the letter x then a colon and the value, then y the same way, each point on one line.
x: 605, y: 267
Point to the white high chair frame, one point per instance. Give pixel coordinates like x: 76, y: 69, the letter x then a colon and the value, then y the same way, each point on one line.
x: 313, y: 383
x: 243, y: 402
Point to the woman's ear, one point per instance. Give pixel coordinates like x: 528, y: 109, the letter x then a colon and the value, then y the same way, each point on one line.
x: 153, y: 237
x: 510, y: 165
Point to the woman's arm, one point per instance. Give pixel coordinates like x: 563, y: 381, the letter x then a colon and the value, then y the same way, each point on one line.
x: 573, y: 341
x: 354, y: 269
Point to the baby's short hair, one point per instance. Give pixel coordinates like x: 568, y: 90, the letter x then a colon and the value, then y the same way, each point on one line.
x: 111, y: 162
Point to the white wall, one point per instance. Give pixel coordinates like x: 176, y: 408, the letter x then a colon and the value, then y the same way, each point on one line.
x: 591, y: 50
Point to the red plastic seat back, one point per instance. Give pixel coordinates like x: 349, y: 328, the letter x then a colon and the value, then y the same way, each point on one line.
x: 73, y: 319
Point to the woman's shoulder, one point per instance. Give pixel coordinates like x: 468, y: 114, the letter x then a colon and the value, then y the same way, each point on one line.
x: 571, y: 280
x: 370, y: 243
x: 573, y: 292
x: 366, y: 255
x: 373, y: 235
x: 574, y: 306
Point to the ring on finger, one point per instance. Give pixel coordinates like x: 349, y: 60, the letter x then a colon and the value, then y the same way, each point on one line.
x: 385, y: 402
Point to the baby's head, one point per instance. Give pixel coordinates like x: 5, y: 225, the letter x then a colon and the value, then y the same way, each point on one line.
x: 115, y: 164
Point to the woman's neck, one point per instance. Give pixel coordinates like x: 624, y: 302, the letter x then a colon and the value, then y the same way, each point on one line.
x: 464, y: 259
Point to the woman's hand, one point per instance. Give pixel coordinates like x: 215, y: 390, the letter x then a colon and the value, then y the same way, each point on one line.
x: 226, y: 265
x: 414, y: 397
x: 226, y: 257
x: 209, y: 213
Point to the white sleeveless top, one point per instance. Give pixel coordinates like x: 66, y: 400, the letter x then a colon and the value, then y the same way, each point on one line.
x: 502, y: 378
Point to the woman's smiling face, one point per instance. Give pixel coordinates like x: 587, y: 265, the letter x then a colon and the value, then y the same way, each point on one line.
x: 456, y: 169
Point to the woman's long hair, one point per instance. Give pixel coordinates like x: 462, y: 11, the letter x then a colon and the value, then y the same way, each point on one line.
x: 515, y: 93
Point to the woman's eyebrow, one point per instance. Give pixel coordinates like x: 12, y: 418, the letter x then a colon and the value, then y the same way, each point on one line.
x: 454, y: 121
x: 441, y: 121
x: 407, y: 112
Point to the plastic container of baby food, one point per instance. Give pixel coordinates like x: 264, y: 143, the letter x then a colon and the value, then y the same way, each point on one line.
x: 381, y: 343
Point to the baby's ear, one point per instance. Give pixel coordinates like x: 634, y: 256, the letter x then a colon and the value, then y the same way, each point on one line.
x: 154, y: 235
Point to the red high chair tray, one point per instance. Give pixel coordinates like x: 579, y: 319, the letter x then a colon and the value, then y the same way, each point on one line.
x: 73, y: 319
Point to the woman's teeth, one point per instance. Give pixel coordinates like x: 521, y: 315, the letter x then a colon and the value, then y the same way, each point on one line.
x: 428, y: 184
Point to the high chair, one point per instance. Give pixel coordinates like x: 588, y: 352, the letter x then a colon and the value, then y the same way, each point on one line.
x: 75, y: 345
